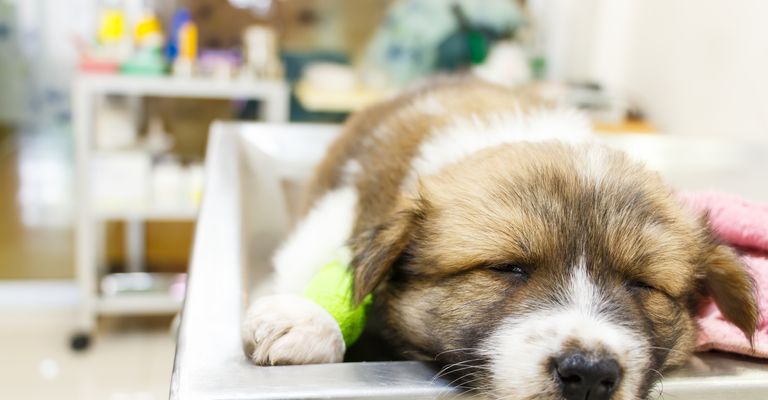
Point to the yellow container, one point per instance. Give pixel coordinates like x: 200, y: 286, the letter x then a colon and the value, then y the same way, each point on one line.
x: 188, y: 41
x: 111, y: 26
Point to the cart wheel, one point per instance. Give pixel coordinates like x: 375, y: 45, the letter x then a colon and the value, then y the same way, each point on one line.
x: 80, y: 341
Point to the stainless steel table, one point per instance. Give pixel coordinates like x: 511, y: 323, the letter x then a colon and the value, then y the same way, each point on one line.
x: 244, y: 215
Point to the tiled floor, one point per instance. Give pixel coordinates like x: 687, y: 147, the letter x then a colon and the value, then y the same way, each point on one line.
x: 129, y: 359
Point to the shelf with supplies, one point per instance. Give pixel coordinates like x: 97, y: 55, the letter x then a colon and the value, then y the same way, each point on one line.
x: 122, y: 178
x: 130, y: 185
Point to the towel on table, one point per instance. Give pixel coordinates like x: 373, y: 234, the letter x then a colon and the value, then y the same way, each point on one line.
x: 742, y: 224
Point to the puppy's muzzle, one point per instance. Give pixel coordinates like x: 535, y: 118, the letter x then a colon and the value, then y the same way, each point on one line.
x: 585, y: 377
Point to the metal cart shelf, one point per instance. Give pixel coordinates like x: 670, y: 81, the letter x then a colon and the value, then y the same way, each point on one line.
x: 244, y: 215
x: 86, y: 90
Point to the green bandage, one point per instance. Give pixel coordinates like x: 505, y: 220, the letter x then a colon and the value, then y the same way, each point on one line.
x: 331, y: 288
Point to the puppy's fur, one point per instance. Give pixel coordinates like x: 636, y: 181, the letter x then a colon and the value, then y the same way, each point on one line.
x: 497, y: 240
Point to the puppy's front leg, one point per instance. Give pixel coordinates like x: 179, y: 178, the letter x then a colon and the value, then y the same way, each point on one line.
x: 288, y: 329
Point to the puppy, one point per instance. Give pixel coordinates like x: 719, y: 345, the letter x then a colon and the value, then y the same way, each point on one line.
x: 498, y: 241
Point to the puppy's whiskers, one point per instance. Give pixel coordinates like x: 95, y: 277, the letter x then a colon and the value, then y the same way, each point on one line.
x: 660, y: 383
x: 463, y: 391
x: 467, y: 375
x: 466, y: 349
x: 447, y: 369
x: 461, y: 369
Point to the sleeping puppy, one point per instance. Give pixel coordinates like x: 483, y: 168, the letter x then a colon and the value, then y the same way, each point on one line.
x: 498, y: 241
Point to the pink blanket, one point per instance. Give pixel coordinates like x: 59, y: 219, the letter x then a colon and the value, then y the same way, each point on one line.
x: 743, y: 224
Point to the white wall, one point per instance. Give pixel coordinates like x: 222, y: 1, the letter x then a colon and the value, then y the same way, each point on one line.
x: 700, y: 67
x: 697, y: 67
x: 566, y: 35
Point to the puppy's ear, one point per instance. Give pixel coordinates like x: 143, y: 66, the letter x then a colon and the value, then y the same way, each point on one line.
x: 374, y: 251
x: 727, y: 281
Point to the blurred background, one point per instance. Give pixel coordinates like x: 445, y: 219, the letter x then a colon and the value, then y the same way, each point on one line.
x: 105, y: 107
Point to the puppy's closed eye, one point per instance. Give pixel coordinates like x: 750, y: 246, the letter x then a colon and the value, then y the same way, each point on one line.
x: 638, y: 285
x: 512, y: 270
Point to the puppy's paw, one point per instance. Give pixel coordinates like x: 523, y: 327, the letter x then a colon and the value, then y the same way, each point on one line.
x: 290, y: 330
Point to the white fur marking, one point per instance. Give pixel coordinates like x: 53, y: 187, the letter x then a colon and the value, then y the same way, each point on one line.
x: 466, y: 136
x: 520, y: 349
x: 315, y: 240
x: 595, y: 164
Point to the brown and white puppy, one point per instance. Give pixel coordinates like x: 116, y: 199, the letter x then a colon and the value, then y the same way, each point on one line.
x: 501, y: 243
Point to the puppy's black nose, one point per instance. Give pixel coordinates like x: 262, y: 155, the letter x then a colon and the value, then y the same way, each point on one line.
x: 587, y: 378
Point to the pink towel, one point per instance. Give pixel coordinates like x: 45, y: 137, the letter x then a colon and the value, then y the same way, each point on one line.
x: 743, y: 224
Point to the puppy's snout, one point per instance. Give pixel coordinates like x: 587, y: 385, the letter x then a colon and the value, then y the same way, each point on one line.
x: 582, y: 377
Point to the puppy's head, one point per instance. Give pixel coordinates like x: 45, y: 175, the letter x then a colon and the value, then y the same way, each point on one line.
x: 548, y: 271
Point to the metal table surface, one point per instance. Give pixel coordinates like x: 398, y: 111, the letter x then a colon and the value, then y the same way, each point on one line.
x: 244, y: 215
